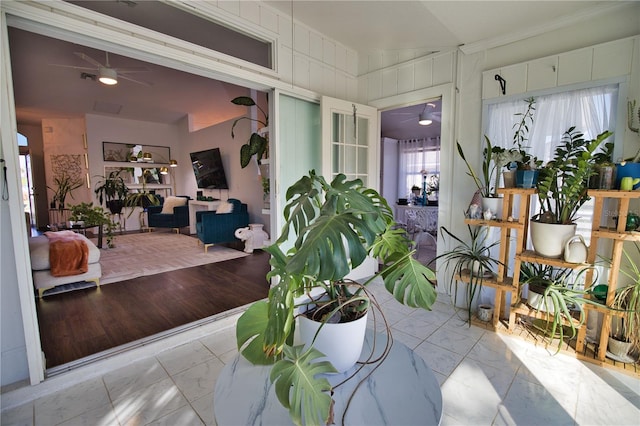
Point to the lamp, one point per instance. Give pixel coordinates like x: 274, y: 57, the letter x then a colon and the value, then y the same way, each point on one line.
x: 107, y: 76
x: 164, y: 171
x: 173, y: 163
x: 133, y: 159
x: 424, y: 119
x: 169, y: 170
x: 147, y: 157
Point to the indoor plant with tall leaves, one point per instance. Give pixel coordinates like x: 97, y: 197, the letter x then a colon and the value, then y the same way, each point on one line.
x: 112, y: 190
x: 334, y: 227
x: 258, y: 143
x: 562, y: 189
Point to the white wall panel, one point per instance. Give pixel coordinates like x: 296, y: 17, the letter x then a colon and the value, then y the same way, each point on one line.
x: 389, y: 82
x: 390, y: 59
x: 423, y: 73
x: 329, y: 52
x: 284, y: 31
x: 341, y: 58
x: 300, y: 39
x: 442, y: 69
x: 300, y: 71
x: 374, y: 86
x: 516, y: 77
x: 250, y: 11
x: 328, y: 80
x: 232, y: 7
x: 315, y: 46
x: 316, y: 77
x: 612, y: 59
x: 268, y: 19
x: 575, y: 67
x: 542, y: 73
x: 406, y: 78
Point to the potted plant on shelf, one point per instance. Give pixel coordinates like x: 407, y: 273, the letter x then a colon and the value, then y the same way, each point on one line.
x: 112, y: 190
x: 493, y: 160
x: 526, y: 165
x: 142, y: 198
x: 562, y: 190
x: 472, y: 260
x: 624, y: 338
x: 258, y: 144
x: 334, y: 227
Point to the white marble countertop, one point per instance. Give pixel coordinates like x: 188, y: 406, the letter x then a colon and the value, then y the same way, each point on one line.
x: 401, y: 391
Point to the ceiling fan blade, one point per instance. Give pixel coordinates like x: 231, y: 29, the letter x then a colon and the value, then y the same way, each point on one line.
x: 131, y: 70
x: 144, y: 83
x: 74, y: 67
x: 88, y: 59
x: 414, y: 118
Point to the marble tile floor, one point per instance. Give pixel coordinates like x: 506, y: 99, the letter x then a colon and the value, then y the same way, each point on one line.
x: 486, y: 379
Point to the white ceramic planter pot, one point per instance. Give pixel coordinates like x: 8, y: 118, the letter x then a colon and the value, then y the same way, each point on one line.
x: 537, y: 301
x: 494, y: 204
x: 618, y: 348
x: 341, y: 343
x: 485, y: 313
x: 549, y: 238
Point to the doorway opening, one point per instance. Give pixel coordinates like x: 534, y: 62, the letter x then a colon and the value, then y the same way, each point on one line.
x: 410, y: 171
x: 26, y: 178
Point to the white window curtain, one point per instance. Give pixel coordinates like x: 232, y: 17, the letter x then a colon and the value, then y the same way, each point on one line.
x: 591, y: 111
x: 417, y: 156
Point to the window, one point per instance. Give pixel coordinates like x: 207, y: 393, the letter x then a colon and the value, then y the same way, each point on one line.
x: 591, y: 110
x: 418, y: 158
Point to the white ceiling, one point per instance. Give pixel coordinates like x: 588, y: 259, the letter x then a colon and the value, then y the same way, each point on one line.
x: 362, y: 25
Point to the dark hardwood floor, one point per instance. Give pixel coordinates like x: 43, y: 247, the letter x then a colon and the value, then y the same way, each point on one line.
x: 80, y: 323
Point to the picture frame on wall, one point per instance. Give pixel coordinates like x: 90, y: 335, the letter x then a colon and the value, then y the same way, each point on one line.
x: 127, y: 152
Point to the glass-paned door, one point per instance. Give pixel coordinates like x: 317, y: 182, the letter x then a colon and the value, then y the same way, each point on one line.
x: 349, y: 141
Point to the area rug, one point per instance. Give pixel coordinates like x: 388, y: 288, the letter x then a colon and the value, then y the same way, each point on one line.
x: 148, y: 253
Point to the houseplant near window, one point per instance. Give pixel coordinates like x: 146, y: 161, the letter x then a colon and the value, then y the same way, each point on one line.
x: 627, y: 299
x: 472, y: 259
x: 335, y: 226
x: 526, y: 163
x: 258, y: 143
x: 112, y: 190
x: 562, y: 190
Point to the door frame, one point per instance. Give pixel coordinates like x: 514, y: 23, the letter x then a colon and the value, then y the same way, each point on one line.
x: 447, y: 143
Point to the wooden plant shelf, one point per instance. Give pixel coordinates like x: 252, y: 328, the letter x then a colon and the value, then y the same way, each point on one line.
x: 533, y: 257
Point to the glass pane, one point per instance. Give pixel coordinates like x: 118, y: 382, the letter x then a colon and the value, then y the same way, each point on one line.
x: 338, y: 155
x: 336, y: 126
x: 350, y: 160
x: 363, y: 130
x: 362, y: 160
x: 349, y: 129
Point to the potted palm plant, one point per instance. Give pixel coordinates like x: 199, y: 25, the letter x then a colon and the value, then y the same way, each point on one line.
x: 471, y: 259
x: 112, y: 190
x: 65, y: 184
x: 562, y: 189
x: 330, y: 229
x: 258, y: 144
x: 625, y: 331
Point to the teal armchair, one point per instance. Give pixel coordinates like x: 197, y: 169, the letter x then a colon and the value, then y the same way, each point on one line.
x: 216, y: 228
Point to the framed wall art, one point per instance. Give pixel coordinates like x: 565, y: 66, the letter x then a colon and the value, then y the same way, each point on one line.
x: 126, y: 152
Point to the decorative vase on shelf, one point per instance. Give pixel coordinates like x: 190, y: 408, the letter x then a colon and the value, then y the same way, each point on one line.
x: 494, y: 204
x: 526, y: 178
x: 509, y: 178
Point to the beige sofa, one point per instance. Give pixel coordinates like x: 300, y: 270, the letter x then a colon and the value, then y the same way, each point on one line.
x: 42, y: 278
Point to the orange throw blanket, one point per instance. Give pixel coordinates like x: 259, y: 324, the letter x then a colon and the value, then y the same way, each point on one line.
x: 68, y: 253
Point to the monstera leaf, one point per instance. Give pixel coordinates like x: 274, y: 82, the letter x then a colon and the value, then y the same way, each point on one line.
x: 298, y: 387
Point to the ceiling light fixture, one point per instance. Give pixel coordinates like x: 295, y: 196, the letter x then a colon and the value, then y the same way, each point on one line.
x: 424, y: 119
x: 108, y: 76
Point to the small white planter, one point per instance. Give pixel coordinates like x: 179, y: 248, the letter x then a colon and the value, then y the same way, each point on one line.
x: 341, y: 343
x: 485, y: 313
x: 618, y: 348
x: 494, y: 204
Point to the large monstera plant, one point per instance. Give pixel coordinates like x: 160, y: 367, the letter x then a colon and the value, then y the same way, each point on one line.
x: 330, y: 228
x: 257, y: 144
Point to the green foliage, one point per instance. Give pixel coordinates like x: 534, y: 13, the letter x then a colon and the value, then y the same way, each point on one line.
x: 111, y: 187
x: 64, y: 185
x: 94, y: 215
x: 563, y: 182
x: 257, y: 144
x: 333, y: 227
x: 461, y: 258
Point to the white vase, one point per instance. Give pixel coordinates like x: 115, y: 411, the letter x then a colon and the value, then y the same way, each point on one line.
x: 494, y: 204
x: 485, y: 313
x: 618, y: 348
x: 340, y: 343
x: 549, y: 239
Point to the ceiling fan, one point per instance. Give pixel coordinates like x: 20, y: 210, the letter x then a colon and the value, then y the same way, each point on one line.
x: 107, y: 74
x: 425, y: 118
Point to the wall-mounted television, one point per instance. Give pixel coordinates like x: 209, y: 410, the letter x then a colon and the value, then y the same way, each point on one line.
x: 207, y: 166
